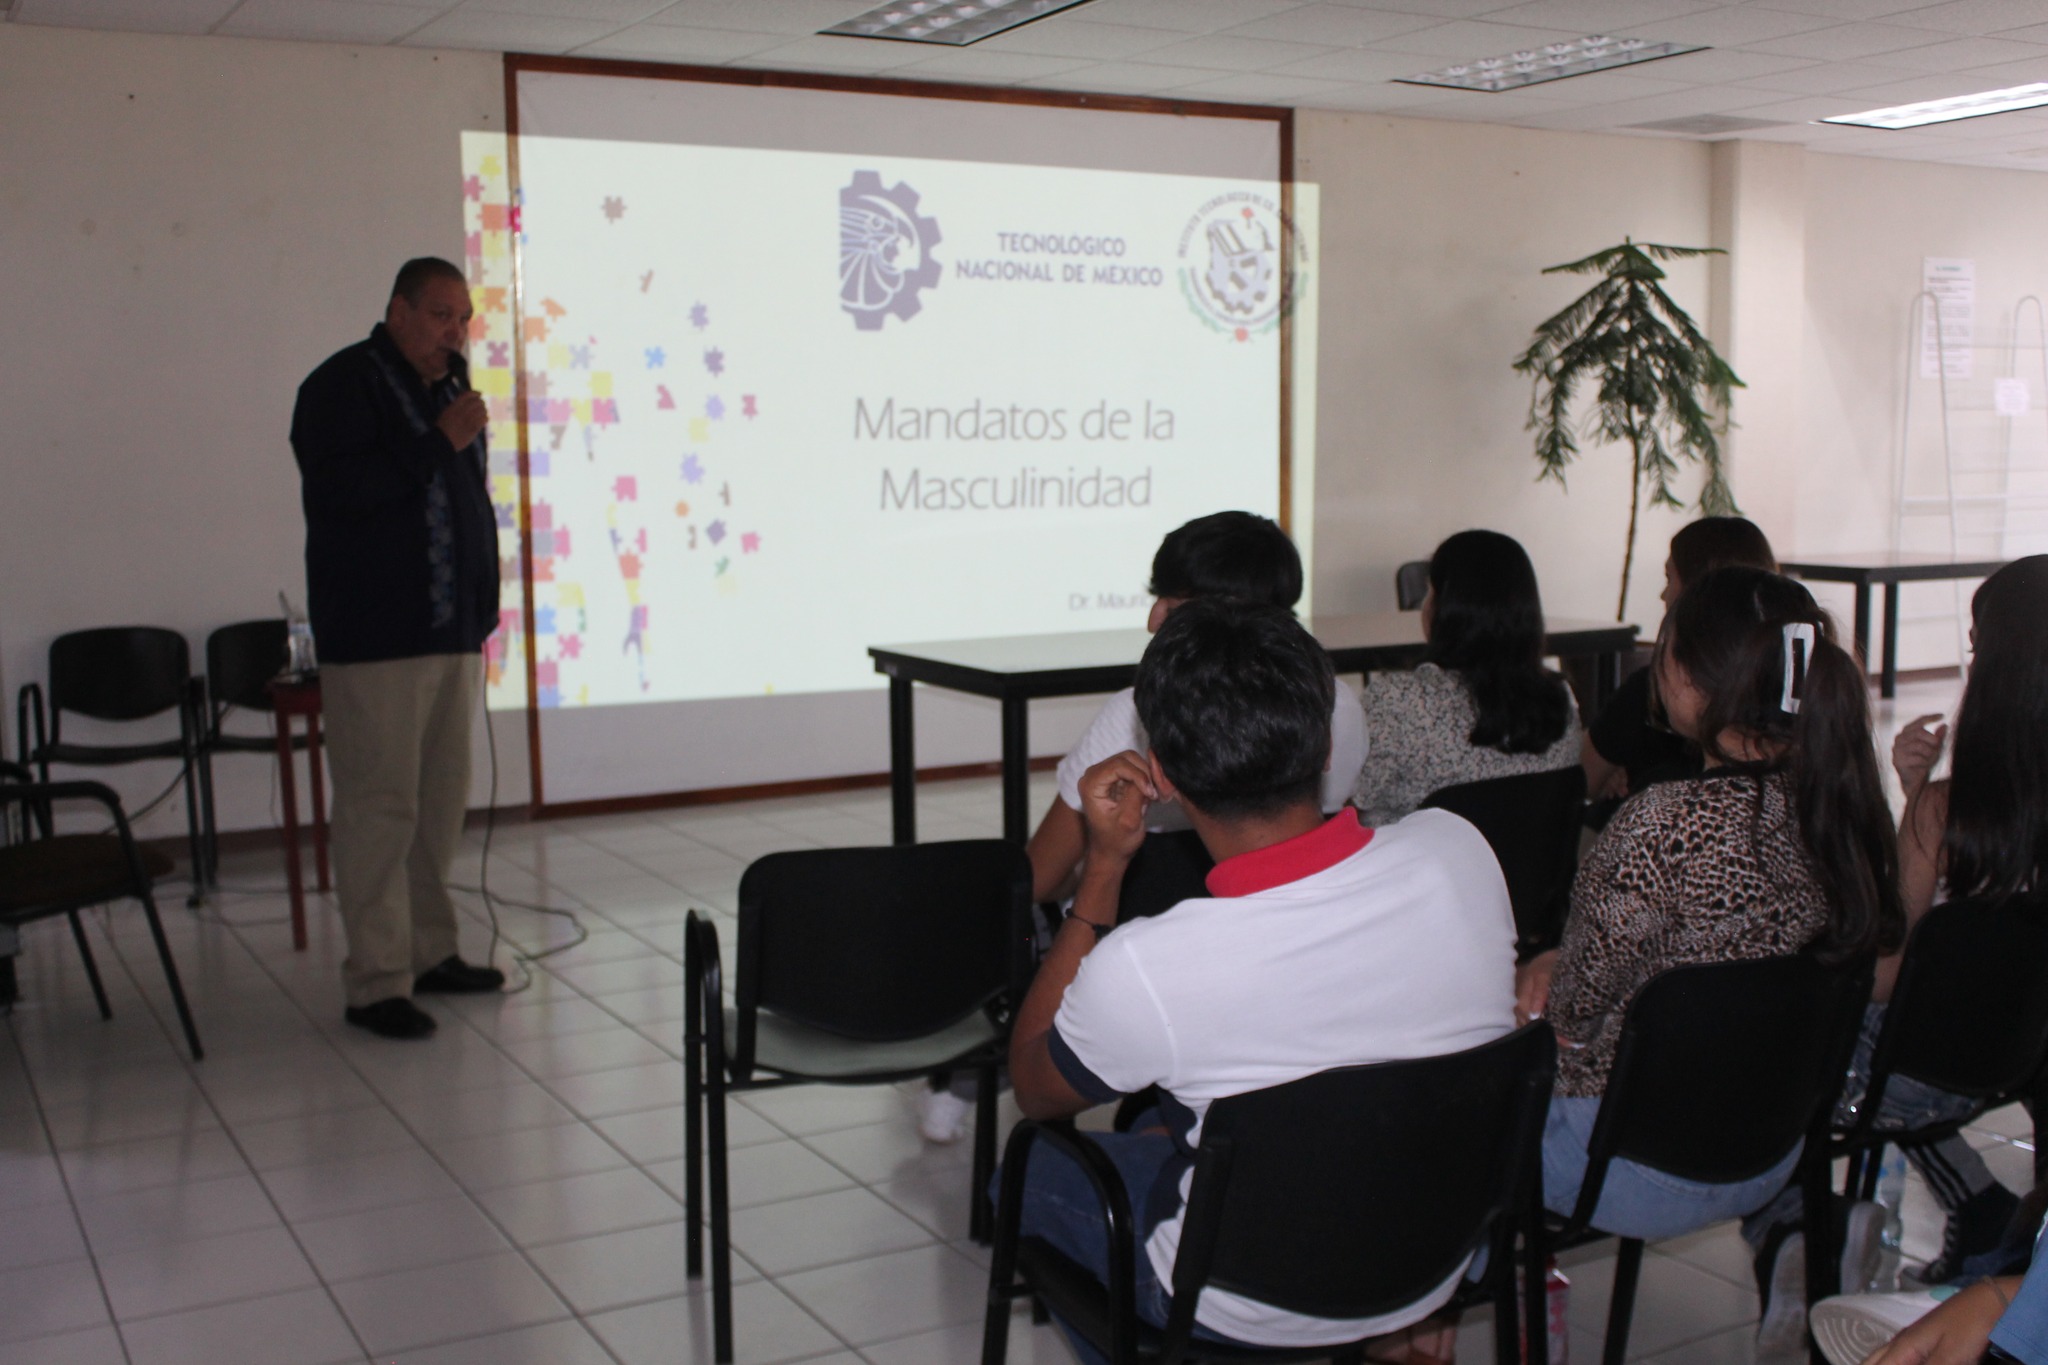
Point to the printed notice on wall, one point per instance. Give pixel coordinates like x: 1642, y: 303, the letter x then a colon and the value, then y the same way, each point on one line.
x: 1952, y: 281
x: 2009, y: 397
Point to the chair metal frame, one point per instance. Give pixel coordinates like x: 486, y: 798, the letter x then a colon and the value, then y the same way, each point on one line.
x: 129, y: 879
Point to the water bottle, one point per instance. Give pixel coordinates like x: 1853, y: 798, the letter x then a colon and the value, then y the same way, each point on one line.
x: 299, y: 660
x: 1557, y: 1302
x: 1891, y: 1194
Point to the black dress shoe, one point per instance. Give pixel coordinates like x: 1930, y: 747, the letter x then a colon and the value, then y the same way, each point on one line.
x: 456, y: 977
x: 397, y: 1017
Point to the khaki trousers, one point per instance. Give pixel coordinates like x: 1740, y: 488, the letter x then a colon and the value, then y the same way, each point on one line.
x: 397, y: 735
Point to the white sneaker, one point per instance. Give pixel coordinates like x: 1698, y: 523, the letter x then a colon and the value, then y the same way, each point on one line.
x: 1849, y: 1327
x: 942, y: 1116
x: 1783, y: 1327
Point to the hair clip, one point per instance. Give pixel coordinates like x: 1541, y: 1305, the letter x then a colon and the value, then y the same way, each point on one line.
x: 1799, y: 640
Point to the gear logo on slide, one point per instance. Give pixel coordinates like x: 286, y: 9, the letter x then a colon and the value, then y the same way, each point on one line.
x: 885, y: 255
x: 1231, y: 263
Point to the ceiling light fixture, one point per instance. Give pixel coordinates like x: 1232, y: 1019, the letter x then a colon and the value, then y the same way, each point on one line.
x: 949, y: 23
x: 1948, y: 110
x: 1552, y: 62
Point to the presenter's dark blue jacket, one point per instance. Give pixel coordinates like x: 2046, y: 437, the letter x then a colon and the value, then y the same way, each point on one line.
x: 401, y: 540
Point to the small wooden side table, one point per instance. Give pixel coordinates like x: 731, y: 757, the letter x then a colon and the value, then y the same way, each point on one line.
x: 300, y: 697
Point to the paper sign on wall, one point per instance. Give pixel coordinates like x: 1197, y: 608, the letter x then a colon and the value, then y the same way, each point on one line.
x: 1953, y: 283
x: 2009, y: 397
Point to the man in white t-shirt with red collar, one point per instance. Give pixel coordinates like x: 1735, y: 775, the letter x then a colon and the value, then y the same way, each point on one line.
x: 1327, y: 944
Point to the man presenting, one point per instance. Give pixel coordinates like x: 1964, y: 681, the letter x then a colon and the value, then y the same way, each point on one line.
x: 1326, y: 944
x: 402, y: 589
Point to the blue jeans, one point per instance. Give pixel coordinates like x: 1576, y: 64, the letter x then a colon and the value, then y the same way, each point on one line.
x: 1061, y: 1206
x: 2022, y: 1331
x: 1639, y: 1201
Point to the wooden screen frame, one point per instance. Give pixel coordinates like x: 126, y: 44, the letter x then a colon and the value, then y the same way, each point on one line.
x: 518, y: 62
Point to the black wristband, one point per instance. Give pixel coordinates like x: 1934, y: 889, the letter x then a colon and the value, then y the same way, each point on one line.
x: 1102, y: 931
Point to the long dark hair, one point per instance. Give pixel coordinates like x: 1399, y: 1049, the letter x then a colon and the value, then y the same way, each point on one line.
x: 1997, y: 836
x: 1728, y: 633
x: 1713, y: 542
x: 1488, y: 629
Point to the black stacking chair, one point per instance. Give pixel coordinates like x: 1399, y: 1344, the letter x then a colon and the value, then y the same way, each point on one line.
x: 1532, y: 822
x: 1411, y: 584
x: 44, y: 874
x: 241, y: 660
x: 1347, y: 1194
x: 1720, y: 1071
x: 117, y: 673
x: 1968, y: 1014
x: 857, y: 966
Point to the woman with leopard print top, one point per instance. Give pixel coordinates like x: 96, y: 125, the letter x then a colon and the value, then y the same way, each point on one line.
x: 1784, y: 843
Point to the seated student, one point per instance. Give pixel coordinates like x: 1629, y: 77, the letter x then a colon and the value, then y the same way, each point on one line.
x: 1327, y: 944
x: 1982, y: 831
x: 1784, y: 841
x: 1225, y: 554
x: 1483, y: 705
x: 1625, y: 750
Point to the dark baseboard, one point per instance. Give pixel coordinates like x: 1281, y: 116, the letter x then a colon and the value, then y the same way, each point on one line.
x: 242, y: 840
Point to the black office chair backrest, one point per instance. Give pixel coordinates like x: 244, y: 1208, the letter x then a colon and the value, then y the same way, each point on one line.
x: 1411, y: 584
x: 1532, y: 822
x: 241, y: 659
x: 880, y: 944
x: 1721, y: 1068
x: 1353, y: 1192
x: 1970, y: 1011
x: 118, y: 673
x: 1170, y: 867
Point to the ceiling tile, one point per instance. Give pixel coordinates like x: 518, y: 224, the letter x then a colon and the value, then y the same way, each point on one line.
x: 999, y: 68
x: 1333, y: 25
x: 1718, y: 65
x: 1729, y: 26
x: 1974, y: 16
x: 1222, y: 52
x: 1596, y: 16
x: 1846, y: 42
x: 1261, y: 87
x: 1825, y: 78
x: 1435, y: 9
x: 1184, y: 16
x: 794, y: 17
x: 667, y: 43
x: 836, y: 54
x: 1357, y: 64
x: 1811, y: 109
x: 347, y: 21
x: 1123, y: 78
x: 1845, y: 9
x: 1473, y: 39
x: 1060, y: 36
x: 138, y: 16
x: 612, y: 12
x: 1912, y: 90
x: 2032, y: 33
x: 2001, y: 74
x: 1962, y: 54
x: 492, y: 32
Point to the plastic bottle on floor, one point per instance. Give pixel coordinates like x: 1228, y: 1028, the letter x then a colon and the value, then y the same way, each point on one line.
x: 1891, y: 1195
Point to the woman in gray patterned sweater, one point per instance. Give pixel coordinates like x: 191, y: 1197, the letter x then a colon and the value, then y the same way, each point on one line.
x: 1483, y: 705
x: 1784, y: 843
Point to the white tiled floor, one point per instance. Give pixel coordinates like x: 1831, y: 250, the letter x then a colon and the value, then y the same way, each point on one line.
x: 508, y: 1192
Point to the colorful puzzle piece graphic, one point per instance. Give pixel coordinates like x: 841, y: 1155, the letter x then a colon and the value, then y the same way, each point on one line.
x: 614, y: 208
x: 663, y: 399
x: 747, y: 406
x: 750, y: 542
x: 714, y: 361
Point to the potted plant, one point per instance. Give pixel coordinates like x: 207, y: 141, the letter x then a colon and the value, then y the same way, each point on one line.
x: 1658, y: 384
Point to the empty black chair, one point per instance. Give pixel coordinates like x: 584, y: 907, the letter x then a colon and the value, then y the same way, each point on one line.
x: 857, y: 966
x: 1720, y: 1071
x: 45, y: 874
x: 241, y: 660
x: 1347, y: 1194
x: 1532, y: 822
x: 1411, y: 584
x: 117, y: 673
x: 1968, y: 1014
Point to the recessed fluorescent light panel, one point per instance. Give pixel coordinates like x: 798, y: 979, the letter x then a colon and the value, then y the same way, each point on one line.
x: 949, y: 23
x: 1552, y: 62
x: 1946, y: 111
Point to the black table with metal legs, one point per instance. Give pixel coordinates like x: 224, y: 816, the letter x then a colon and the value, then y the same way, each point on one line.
x: 1015, y: 670
x: 1890, y: 568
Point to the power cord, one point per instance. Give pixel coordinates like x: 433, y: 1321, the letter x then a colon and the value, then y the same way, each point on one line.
x: 522, y: 959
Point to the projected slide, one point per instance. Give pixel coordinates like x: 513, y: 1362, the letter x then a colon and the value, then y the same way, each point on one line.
x: 784, y: 405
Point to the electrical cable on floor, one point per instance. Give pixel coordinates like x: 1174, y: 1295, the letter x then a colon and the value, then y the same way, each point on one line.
x: 522, y: 959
